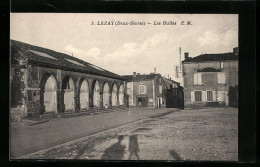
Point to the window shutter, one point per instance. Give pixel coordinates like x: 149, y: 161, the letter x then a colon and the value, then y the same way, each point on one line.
x: 226, y: 98
x: 199, y: 79
x: 192, y: 96
x: 219, y: 78
x: 225, y: 78
x: 222, y: 78
x: 195, y: 79
x: 214, y: 96
x: 145, y: 89
x: 203, y: 98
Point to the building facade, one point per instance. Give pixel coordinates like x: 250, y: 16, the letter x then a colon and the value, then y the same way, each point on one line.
x: 211, y: 79
x: 44, y: 81
x: 145, y: 90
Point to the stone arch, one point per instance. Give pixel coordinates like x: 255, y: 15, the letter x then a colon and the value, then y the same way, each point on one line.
x: 96, y: 94
x: 106, y: 95
x: 68, y: 87
x: 84, y: 94
x: 114, y: 95
x: 121, y: 95
x: 48, y: 98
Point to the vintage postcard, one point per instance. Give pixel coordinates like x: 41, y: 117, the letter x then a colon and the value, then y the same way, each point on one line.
x: 104, y: 86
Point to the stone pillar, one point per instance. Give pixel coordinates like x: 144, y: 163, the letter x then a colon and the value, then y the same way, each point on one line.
x: 90, y: 101
x: 110, y: 100
x: 117, y: 98
x: 125, y: 94
x: 60, y: 102
x: 76, y: 101
x: 42, y: 107
x: 101, y: 100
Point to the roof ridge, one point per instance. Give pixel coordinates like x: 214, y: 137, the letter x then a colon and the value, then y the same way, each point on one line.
x: 61, y: 57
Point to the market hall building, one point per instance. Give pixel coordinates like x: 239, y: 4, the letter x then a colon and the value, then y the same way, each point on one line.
x: 45, y: 81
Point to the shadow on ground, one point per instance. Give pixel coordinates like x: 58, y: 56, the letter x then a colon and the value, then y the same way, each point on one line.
x: 175, y: 155
x: 116, y: 151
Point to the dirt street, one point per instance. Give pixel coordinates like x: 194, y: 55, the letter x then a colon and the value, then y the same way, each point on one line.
x: 206, y: 134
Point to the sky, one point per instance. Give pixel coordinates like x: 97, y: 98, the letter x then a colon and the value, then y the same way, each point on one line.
x: 124, y: 49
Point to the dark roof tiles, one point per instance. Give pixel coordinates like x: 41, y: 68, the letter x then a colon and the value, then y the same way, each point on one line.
x: 143, y: 77
x: 212, y: 57
x: 50, y: 58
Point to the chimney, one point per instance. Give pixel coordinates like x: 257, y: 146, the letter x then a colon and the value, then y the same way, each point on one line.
x: 236, y: 51
x: 186, y: 55
x: 134, y: 74
x: 138, y: 73
x: 155, y: 70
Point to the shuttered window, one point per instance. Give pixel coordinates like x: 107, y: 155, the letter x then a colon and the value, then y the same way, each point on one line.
x: 209, y: 96
x: 221, y: 78
x: 197, y: 79
x: 142, y: 89
x: 221, y: 64
x: 197, y: 96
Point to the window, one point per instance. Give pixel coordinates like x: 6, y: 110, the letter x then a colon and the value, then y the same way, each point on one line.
x: 197, y: 79
x: 29, y: 95
x: 160, y: 89
x: 142, y: 89
x: 209, y: 96
x: 221, y: 78
x: 198, y: 96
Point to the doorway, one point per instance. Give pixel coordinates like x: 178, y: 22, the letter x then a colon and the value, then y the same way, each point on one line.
x: 142, y: 101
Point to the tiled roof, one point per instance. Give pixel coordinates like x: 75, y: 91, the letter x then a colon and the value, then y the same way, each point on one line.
x: 169, y: 80
x: 212, y: 57
x: 140, y: 77
x: 49, y: 58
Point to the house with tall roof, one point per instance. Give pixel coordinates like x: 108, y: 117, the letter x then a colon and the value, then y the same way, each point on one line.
x: 44, y: 81
x: 211, y: 79
x: 145, y: 90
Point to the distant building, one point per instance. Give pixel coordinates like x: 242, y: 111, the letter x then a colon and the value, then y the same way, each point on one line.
x: 211, y: 79
x: 170, y: 83
x: 44, y: 81
x: 145, y: 90
x: 174, y: 94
